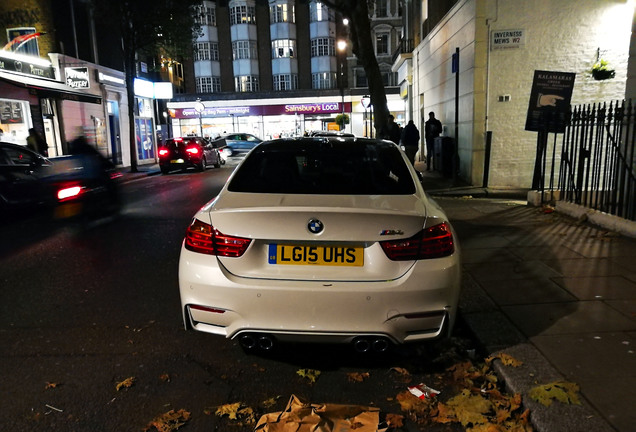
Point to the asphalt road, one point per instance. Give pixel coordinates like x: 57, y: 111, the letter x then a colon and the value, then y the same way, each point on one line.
x: 85, y: 307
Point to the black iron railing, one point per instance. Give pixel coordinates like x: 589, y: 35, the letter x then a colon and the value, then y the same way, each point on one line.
x: 404, y: 47
x: 597, y: 167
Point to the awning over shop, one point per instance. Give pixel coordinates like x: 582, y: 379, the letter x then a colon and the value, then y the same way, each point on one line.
x: 49, y: 88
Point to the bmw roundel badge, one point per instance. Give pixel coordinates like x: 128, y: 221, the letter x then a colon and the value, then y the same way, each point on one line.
x: 315, y: 226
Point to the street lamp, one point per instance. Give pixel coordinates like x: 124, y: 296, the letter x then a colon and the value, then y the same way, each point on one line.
x: 199, y: 107
x: 365, y: 101
x: 342, y: 47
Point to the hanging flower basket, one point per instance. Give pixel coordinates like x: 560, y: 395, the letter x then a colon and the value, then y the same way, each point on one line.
x: 601, y: 71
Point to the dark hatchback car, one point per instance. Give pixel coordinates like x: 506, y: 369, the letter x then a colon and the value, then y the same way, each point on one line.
x: 185, y: 152
x: 22, y: 174
x: 83, y: 184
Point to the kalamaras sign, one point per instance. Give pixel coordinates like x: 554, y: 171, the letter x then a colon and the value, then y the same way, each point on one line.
x: 77, y: 77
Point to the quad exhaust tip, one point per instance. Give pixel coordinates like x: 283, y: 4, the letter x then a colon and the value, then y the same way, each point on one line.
x: 250, y: 342
x: 371, y: 344
x: 363, y: 344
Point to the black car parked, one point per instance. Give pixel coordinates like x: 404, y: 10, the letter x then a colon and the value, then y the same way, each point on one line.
x: 184, y: 152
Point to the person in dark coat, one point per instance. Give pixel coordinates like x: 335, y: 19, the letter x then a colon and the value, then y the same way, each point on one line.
x: 392, y: 130
x: 410, y: 140
x: 432, y: 129
x: 36, y: 143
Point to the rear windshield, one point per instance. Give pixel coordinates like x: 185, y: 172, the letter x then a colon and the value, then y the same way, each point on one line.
x: 324, y: 167
x: 183, y: 142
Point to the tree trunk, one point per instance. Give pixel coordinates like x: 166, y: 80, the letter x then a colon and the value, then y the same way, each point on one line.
x: 362, y: 47
x: 129, y: 53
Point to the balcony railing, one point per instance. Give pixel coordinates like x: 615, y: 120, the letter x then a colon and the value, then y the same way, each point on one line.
x: 404, y: 47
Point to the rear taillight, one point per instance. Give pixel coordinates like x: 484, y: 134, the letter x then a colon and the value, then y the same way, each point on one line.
x: 69, y: 192
x: 204, y: 238
x: 163, y: 152
x: 193, y: 150
x: 433, y: 242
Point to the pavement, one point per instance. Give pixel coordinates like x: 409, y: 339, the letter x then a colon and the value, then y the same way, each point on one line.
x: 555, y: 292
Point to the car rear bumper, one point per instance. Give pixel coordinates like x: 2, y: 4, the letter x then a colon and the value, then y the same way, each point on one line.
x: 420, y: 305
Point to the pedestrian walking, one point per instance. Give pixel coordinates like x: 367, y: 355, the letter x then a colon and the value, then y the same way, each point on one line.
x: 410, y: 140
x: 392, y: 130
x: 432, y: 129
x: 36, y: 143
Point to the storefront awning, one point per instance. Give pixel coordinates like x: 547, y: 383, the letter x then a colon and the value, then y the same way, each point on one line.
x: 48, y: 88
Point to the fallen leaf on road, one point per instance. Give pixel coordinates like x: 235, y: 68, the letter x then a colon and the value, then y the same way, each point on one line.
x: 412, y: 404
x: 562, y: 391
x: 164, y: 377
x: 127, y: 383
x: 311, y: 374
x: 268, y: 403
x: 395, y: 420
x: 506, y: 360
x: 169, y: 421
x: 464, y: 408
x: 236, y: 411
x: 357, y: 376
x: 50, y: 385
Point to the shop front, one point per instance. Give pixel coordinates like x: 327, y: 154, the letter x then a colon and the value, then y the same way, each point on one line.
x: 259, y: 118
x: 32, y: 97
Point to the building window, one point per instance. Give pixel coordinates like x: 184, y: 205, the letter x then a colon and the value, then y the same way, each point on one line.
x: 242, y: 14
x: 283, y: 48
x: 319, y: 12
x: 282, y: 13
x: 381, y: 8
x: 246, y: 83
x: 206, y: 16
x: 323, y: 47
x: 202, y: 51
x: 285, y: 82
x: 388, y: 78
x: 208, y: 84
x: 361, y: 78
x: 214, y: 51
x: 323, y: 80
x: 382, y: 44
x: 244, y: 50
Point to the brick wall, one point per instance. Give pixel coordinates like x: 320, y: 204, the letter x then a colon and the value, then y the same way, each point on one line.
x: 560, y: 35
x: 29, y: 13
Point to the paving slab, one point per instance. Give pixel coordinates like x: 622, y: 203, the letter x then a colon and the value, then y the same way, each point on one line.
x: 599, y: 287
x: 558, y: 294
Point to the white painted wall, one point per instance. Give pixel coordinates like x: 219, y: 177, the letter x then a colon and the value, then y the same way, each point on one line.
x: 560, y: 35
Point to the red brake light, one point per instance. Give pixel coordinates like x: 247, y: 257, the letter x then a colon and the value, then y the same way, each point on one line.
x: 69, y: 192
x: 192, y: 150
x: 163, y: 151
x: 434, y: 242
x: 204, y: 238
x: 178, y: 139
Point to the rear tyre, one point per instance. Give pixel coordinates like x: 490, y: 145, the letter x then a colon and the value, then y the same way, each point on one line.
x: 164, y: 170
x: 202, y: 165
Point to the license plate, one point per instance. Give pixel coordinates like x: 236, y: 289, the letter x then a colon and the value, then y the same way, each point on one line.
x: 316, y: 255
x: 177, y: 161
x: 64, y: 211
